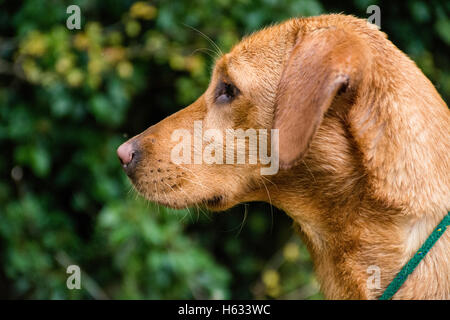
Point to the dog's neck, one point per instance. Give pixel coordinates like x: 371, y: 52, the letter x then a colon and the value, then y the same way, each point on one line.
x: 375, y: 183
x: 356, y: 219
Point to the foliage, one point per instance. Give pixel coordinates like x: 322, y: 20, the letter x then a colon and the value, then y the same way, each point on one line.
x: 67, y: 97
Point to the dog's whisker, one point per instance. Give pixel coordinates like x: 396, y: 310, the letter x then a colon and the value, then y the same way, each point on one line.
x: 309, y: 170
x: 156, y: 189
x: 184, y: 217
x: 271, y: 207
x: 197, y: 183
x: 130, y: 189
x: 181, y: 191
x: 244, y: 219
x: 268, y: 180
x: 195, y: 175
x: 186, y: 206
x: 167, y: 198
x: 204, y: 50
x: 219, y: 51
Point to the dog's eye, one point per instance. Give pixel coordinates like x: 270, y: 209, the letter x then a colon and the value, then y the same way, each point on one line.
x: 226, y: 92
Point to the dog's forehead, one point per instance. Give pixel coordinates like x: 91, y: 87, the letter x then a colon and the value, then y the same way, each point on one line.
x: 255, y: 64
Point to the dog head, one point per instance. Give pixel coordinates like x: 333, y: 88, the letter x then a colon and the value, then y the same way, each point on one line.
x: 275, y: 86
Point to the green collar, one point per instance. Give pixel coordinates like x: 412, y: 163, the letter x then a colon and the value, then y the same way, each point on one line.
x: 412, y: 264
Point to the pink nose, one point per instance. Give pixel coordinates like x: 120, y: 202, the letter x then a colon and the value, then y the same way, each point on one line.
x: 126, y: 153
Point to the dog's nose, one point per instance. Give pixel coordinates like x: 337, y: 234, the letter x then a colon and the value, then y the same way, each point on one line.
x: 126, y: 154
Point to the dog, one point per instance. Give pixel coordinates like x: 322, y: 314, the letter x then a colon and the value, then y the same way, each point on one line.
x: 363, y: 149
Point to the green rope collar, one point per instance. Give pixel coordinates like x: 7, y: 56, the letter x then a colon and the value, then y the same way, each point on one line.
x: 412, y: 264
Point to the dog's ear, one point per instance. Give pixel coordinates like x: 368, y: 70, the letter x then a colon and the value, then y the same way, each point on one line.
x: 322, y: 64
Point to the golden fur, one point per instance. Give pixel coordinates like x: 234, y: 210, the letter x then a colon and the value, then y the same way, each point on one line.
x: 364, y: 151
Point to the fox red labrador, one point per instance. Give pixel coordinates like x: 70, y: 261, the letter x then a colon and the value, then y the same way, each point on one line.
x: 363, y: 151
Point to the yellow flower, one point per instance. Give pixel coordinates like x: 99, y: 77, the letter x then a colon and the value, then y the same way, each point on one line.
x: 63, y: 64
x: 114, y: 54
x: 31, y: 70
x: 93, y: 29
x: 48, y: 79
x: 125, y: 69
x: 273, y: 292
x: 142, y: 10
x: 271, y: 278
x: 81, y: 41
x: 194, y: 64
x: 95, y: 65
x: 115, y: 38
x: 291, y: 252
x: 176, y: 62
x: 93, y: 81
x: 94, y: 34
x: 35, y: 44
x: 155, y: 41
x: 74, y: 77
x: 132, y: 28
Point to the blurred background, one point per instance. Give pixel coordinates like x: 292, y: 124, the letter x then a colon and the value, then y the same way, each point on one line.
x: 68, y: 98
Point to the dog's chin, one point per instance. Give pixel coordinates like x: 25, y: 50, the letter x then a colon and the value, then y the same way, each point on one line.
x: 216, y: 202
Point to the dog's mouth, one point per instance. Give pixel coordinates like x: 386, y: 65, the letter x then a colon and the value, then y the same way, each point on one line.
x: 214, y: 202
x: 173, y: 198
x: 176, y: 189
